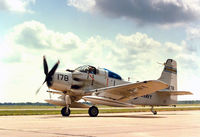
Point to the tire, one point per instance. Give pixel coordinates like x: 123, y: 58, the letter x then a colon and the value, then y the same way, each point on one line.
x: 65, y: 112
x: 93, y: 111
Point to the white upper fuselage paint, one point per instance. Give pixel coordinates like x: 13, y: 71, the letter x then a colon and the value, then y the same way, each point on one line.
x: 64, y: 81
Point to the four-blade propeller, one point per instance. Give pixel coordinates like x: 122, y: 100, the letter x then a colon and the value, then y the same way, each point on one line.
x: 48, y: 74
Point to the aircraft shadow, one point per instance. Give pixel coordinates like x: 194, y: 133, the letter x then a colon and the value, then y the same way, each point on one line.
x: 109, y: 116
x: 169, y: 114
x: 125, y: 116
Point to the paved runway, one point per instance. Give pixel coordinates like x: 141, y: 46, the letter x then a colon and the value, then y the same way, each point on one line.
x: 144, y: 124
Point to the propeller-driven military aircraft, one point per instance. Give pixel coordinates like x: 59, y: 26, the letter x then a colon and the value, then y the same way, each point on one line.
x: 102, y: 86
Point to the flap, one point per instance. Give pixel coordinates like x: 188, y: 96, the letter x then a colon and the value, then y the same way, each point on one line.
x: 175, y: 92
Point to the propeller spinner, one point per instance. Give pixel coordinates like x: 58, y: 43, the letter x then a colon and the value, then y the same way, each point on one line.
x: 49, y: 74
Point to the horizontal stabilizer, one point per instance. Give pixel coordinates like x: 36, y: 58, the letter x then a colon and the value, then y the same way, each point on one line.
x: 175, y: 92
x: 56, y: 102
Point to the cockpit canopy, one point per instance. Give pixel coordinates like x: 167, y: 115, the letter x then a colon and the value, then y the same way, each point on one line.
x: 113, y: 74
x: 86, y: 69
x: 93, y: 70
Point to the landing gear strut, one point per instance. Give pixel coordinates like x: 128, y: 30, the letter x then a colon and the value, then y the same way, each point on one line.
x: 153, y: 111
x: 65, y: 111
x: 93, y: 111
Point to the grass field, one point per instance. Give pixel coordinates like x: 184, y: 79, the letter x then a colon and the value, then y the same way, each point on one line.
x: 51, y: 110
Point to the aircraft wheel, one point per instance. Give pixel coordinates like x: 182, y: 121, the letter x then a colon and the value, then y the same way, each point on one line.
x: 93, y: 111
x: 155, y: 112
x: 65, y: 112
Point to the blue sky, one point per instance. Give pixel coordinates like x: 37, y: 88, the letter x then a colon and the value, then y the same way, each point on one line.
x: 128, y: 37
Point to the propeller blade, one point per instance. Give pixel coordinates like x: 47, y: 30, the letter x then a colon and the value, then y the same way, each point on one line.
x: 53, y: 69
x: 40, y: 87
x: 49, y: 75
x: 45, y: 66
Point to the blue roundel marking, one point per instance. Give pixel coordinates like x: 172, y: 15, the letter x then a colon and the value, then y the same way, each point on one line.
x: 113, y: 75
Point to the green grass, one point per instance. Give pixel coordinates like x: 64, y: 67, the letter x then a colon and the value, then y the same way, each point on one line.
x: 188, y: 104
x: 27, y: 107
x: 37, y: 110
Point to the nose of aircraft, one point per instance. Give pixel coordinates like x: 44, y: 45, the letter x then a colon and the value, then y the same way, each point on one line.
x: 61, y: 80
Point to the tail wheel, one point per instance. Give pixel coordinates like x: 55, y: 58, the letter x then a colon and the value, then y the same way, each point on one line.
x: 93, y: 111
x: 65, y: 112
x: 155, y: 112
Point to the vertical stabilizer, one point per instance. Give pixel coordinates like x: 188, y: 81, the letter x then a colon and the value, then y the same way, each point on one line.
x: 169, y: 74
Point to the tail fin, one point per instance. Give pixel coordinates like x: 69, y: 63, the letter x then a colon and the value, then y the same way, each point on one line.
x: 169, y: 74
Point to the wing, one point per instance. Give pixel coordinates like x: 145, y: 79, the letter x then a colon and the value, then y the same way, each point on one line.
x: 175, y: 92
x: 127, y: 91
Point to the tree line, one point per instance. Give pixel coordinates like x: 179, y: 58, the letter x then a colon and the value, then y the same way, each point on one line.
x: 47, y: 104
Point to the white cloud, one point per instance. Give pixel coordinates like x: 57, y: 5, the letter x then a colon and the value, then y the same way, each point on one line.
x: 132, y: 55
x: 141, y: 47
x: 137, y: 42
x: 35, y: 35
x: 16, y: 5
x: 193, y: 33
x: 83, y: 5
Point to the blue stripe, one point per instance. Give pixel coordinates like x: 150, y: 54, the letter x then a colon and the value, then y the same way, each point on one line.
x: 170, y: 71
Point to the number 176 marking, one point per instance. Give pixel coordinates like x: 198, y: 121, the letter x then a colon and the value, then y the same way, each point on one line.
x: 62, y: 77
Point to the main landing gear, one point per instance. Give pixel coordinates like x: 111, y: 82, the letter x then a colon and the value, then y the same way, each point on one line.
x: 65, y: 111
x: 93, y: 111
x: 153, y: 111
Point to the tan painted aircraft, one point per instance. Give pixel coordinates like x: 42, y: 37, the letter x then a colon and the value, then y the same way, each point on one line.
x: 102, y: 86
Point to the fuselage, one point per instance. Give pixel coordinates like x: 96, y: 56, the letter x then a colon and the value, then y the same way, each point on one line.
x: 154, y: 99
